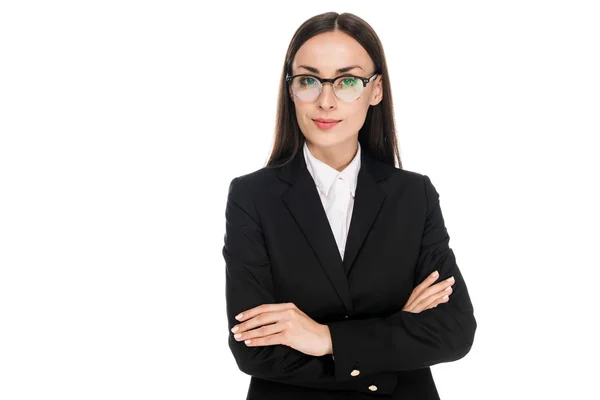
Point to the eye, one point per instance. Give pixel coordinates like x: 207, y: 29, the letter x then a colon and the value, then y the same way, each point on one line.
x: 349, y: 81
x: 308, y: 80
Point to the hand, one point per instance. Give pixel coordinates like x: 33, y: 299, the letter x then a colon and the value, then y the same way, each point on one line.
x: 283, y: 323
x: 424, y: 297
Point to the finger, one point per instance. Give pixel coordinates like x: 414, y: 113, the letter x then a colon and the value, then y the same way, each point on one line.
x: 265, y: 341
x: 441, y: 300
x: 426, y: 302
x: 437, y: 288
x: 418, y: 291
x: 417, y: 308
x: 259, y: 320
x: 422, y: 286
x: 261, y: 331
x: 245, y: 315
x: 426, y: 283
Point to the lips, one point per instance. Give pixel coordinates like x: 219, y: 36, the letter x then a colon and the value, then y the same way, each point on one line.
x: 323, y: 123
x: 326, y: 120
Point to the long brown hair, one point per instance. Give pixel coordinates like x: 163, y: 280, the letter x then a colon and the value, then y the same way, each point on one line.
x: 378, y: 134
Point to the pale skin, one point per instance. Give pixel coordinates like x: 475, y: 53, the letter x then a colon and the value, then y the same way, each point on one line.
x: 327, y: 53
x: 285, y: 323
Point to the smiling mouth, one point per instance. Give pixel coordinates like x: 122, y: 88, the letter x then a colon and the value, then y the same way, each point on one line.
x: 325, y: 124
x: 327, y: 121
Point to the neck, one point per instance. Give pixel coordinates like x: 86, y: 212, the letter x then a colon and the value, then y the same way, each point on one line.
x: 338, y: 157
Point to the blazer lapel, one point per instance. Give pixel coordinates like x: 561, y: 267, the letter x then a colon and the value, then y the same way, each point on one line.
x: 368, y: 200
x: 304, y: 203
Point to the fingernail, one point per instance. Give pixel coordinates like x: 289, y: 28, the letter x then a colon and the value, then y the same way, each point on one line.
x: 450, y: 279
x: 239, y: 316
x: 248, y: 341
x: 445, y: 297
x: 448, y: 288
x: 435, y: 273
x: 235, y: 329
x: 237, y: 335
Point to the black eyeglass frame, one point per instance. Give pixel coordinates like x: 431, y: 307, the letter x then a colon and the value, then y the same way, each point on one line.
x: 365, y: 81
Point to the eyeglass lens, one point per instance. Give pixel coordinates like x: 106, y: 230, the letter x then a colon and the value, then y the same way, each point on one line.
x: 346, y: 88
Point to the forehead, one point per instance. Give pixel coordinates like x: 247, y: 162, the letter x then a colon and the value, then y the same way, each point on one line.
x: 329, y: 51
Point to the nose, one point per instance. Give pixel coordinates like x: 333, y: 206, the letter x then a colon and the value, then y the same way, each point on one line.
x: 327, y: 99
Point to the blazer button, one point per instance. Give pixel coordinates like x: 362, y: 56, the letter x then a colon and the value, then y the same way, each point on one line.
x: 355, y: 372
x: 345, y: 316
x: 372, y: 388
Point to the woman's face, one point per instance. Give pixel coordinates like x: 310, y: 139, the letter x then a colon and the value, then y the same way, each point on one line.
x: 326, y: 53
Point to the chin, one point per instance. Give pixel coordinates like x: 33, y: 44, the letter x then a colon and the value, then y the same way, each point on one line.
x: 325, y: 139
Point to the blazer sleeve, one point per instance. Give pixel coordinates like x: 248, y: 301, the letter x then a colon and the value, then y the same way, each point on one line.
x: 249, y: 284
x: 407, y: 341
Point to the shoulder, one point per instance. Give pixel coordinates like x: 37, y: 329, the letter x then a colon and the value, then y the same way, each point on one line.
x: 398, y: 175
x: 259, y: 177
x: 254, y: 181
x: 408, y: 175
x: 418, y: 183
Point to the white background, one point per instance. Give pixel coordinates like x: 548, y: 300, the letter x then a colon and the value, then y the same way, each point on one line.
x: 122, y: 124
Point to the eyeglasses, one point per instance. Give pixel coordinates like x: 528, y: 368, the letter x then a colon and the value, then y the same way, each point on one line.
x: 347, y: 88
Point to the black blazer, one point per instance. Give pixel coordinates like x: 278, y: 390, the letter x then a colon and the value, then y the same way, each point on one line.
x: 279, y: 248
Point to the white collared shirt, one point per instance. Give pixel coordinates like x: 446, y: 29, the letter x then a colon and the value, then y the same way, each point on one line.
x: 337, y: 190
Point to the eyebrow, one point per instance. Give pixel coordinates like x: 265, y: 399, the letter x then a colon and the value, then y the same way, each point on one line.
x: 337, y: 71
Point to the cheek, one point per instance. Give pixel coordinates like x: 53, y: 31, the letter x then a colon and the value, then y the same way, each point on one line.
x: 356, y: 117
x: 302, y: 114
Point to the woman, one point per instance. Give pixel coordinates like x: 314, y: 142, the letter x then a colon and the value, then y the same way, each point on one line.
x: 338, y: 266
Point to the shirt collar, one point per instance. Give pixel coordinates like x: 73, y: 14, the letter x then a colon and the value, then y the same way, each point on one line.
x: 324, y: 175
